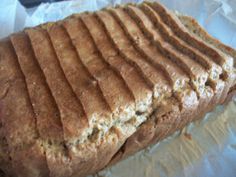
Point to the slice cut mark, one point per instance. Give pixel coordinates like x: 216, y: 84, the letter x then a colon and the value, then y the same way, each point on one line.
x: 193, y: 26
x: 175, y: 76
x: 44, y: 105
x: 110, y: 84
x: 218, y: 57
x: 204, y: 61
x: 153, y: 77
x: 130, y: 76
x: 17, y: 109
x: 72, y: 114
x: 83, y: 84
x: 192, y: 69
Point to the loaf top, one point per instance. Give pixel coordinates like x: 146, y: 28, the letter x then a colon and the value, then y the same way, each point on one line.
x: 94, y: 78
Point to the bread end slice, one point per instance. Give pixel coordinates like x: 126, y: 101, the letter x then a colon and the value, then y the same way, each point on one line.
x: 193, y: 26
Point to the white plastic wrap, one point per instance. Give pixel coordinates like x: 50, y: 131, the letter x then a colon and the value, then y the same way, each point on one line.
x: 205, y: 148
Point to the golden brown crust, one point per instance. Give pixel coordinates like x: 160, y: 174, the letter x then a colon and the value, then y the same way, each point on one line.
x: 134, y: 82
x: 46, y: 110
x: 72, y: 114
x: 83, y: 93
x: 16, y: 109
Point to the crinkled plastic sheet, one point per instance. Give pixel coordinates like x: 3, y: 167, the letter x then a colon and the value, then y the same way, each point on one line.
x: 204, y: 148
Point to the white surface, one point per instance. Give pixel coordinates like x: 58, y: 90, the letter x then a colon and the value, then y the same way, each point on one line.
x: 212, y: 149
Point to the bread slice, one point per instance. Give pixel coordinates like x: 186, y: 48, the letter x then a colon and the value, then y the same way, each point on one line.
x: 192, y: 25
x: 85, y: 92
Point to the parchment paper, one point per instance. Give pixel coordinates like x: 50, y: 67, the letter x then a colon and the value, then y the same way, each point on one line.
x: 204, y: 149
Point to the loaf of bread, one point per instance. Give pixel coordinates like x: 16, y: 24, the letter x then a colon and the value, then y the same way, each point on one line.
x: 83, y: 93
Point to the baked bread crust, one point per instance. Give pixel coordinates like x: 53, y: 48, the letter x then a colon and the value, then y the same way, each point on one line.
x: 83, y: 93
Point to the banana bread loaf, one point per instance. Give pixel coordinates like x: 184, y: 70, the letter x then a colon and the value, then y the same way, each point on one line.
x: 83, y: 93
